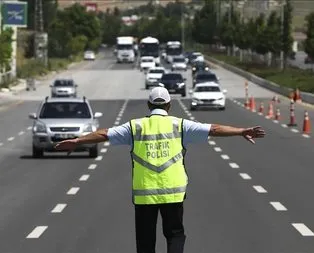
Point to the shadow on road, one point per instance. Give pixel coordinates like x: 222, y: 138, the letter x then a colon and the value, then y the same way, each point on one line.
x: 53, y: 157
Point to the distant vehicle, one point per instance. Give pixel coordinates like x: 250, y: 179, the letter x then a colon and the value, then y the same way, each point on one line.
x: 63, y: 118
x: 205, y: 76
x: 196, y: 56
x: 125, y: 49
x: 199, y: 66
x: 174, y: 83
x: 173, y: 48
x: 153, y: 76
x: 209, y: 95
x: 187, y: 56
x: 178, y: 63
x: 147, y: 62
x: 89, y: 55
x: 64, y: 88
x: 149, y: 46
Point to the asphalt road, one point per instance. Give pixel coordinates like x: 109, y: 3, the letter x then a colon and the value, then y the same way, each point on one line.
x: 242, y: 198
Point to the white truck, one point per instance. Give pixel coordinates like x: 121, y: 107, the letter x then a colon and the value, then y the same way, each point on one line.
x: 125, y: 49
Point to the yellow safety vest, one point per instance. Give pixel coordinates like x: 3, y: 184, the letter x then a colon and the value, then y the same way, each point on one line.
x: 159, y: 175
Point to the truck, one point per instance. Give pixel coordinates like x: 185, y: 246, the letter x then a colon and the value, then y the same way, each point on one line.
x: 125, y: 49
x: 149, y: 46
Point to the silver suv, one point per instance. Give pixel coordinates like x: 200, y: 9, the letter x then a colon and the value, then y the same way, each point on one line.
x: 64, y: 88
x: 63, y: 118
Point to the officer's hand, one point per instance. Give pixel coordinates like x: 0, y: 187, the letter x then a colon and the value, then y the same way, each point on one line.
x: 67, y: 145
x: 254, y: 132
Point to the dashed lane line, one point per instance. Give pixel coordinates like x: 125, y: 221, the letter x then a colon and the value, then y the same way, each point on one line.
x: 1, y: 144
x: 37, y: 232
x: 306, y: 136
x: 303, y: 229
x: 217, y: 149
x: 107, y: 143
x: 225, y: 157
x: 294, y: 130
x: 73, y: 190
x: 84, y: 177
x: 92, y: 166
x: 212, y: 143
x: 58, y: 208
x: 21, y: 133
x: 245, y: 176
x: 234, y: 165
x: 29, y: 128
x: 278, y: 206
x: 98, y: 158
x: 259, y: 189
x: 103, y: 150
x: 11, y: 138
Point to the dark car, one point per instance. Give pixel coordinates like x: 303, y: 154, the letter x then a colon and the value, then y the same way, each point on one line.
x: 204, y: 76
x: 199, y: 66
x: 174, y: 83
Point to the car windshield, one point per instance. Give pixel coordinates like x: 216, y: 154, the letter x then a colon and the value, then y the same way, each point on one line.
x: 171, y: 77
x: 147, y: 60
x: 178, y: 60
x: 65, y: 110
x: 200, y: 64
x: 207, y: 89
x: 156, y: 71
x: 125, y: 47
x: 206, y: 77
x: 62, y: 83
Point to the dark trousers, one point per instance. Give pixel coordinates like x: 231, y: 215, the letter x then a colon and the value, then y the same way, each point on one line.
x: 172, y: 224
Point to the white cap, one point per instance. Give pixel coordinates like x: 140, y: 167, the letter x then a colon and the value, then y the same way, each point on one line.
x: 159, y: 96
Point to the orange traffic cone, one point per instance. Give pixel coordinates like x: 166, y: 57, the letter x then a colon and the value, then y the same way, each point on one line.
x: 247, y: 103
x: 270, y: 113
x: 292, y: 114
x: 252, y: 104
x: 306, y: 123
x: 277, y: 116
x: 261, y: 109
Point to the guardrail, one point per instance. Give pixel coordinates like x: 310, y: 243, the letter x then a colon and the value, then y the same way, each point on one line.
x: 306, y: 97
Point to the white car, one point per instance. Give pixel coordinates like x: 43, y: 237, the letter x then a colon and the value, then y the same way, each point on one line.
x: 153, y: 76
x: 89, y: 55
x: 208, y: 95
x: 147, y: 62
x: 197, y: 56
x: 179, y: 63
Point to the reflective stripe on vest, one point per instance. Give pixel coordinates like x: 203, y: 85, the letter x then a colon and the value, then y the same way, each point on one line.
x: 159, y: 191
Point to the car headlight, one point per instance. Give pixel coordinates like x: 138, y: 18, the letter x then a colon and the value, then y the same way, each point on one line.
x: 196, y: 100
x: 220, y: 98
x: 40, y: 127
x: 161, y: 84
x: 206, y: 68
x: 89, y: 128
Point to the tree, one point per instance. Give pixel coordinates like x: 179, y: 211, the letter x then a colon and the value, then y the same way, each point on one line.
x: 261, y: 44
x: 241, y: 38
x: 309, y: 42
x: 5, y: 49
x: 287, y: 39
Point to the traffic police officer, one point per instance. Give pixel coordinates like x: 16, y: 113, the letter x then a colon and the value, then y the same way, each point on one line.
x: 159, y: 180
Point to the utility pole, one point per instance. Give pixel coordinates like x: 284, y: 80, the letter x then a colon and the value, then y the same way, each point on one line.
x: 40, y: 36
x: 282, y: 37
x: 182, y: 28
x: 229, y: 23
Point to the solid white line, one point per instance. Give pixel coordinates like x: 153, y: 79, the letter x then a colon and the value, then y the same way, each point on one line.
x: 29, y: 128
x: 73, y: 190
x: 1, y: 144
x: 37, y: 232
x: 92, y: 166
x: 212, y: 143
x: 217, y: 149
x: 294, y: 130
x: 84, y: 178
x: 21, y: 133
x: 303, y: 230
x: 234, y: 165
x: 225, y: 157
x: 103, y: 150
x: 59, y: 208
x: 11, y: 139
x: 284, y: 125
x: 107, y: 143
x: 245, y: 176
x: 306, y: 136
x: 278, y: 206
x: 98, y: 158
x: 259, y: 189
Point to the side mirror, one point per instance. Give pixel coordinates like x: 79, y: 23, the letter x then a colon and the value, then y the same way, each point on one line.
x: 184, y: 79
x: 32, y: 116
x: 97, y: 115
x: 50, y: 85
x: 218, y: 78
x: 224, y: 91
x: 76, y: 85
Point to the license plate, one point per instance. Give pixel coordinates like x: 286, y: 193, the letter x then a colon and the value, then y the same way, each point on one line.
x: 172, y: 90
x: 64, y: 136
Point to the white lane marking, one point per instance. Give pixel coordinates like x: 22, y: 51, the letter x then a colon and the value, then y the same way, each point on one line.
x: 192, y: 118
x: 103, y: 150
x: 58, y: 208
x: 306, y: 136
x: 29, y: 128
x: 303, y: 229
x: 1, y: 144
x: 21, y: 133
x: 284, y: 125
x: 212, y: 143
x: 73, y: 190
x: 259, y: 189
x: 117, y: 123
x: 278, y: 206
x: 294, y: 130
x: 225, y: 157
x: 217, y: 149
x: 37, y: 232
x: 276, y: 121
x: 84, y: 178
x: 245, y: 176
x: 189, y: 114
x: 118, y: 118
x: 98, y: 158
x: 234, y: 165
x: 107, y: 143
x: 92, y: 166
x: 10, y: 138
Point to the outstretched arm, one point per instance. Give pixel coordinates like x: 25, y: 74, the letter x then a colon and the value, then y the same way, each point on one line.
x: 248, y: 133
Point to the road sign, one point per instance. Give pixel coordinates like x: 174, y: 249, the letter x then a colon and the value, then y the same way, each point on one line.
x: 14, y: 14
